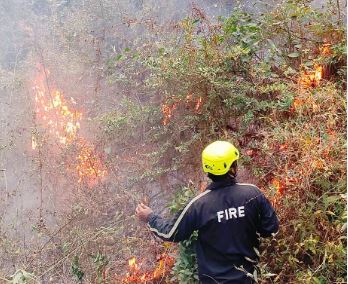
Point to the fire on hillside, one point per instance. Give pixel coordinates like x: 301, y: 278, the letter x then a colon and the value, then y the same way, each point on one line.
x: 61, y: 123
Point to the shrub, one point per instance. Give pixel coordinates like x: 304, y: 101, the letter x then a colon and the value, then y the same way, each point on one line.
x: 275, y: 85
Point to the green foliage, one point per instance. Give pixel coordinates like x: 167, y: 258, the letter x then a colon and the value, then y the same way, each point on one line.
x: 128, y: 120
x: 240, y: 80
x: 185, y: 269
x: 181, y: 198
x: 242, y: 32
x: 76, y: 269
x: 21, y: 277
x: 207, y: 85
x: 100, y: 261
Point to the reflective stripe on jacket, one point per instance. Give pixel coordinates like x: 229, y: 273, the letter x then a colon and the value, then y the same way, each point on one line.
x: 229, y: 217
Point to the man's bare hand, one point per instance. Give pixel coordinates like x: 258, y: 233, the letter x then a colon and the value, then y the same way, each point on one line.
x: 143, y: 212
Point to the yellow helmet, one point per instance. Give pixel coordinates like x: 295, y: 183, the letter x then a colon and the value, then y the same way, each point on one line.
x: 217, y: 157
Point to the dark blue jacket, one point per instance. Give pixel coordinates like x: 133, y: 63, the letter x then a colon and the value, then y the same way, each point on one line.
x: 230, y: 217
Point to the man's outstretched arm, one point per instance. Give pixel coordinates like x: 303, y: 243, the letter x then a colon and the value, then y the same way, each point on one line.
x: 176, y: 229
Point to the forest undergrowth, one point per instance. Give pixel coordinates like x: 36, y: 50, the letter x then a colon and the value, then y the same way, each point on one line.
x: 275, y: 86
x: 272, y: 84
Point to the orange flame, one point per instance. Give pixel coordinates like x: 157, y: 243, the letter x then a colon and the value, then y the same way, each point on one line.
x: 283, y: 146
x: 168, y: 109
x: 89, y: 165
x: 325, y: 50
x: 167, y: 112
x: 55, y: 115
x: 278, y: 185
x: 133, y: 264
x: 312, y: 78
x: 135, y: 275
x: 198, y: 104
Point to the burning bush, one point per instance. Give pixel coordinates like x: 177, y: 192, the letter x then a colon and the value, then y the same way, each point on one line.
x: 60, y: 124
x: 302, y: 161
x: 158, y: 275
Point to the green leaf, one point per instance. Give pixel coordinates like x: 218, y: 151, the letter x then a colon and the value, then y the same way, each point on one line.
x: 293, y: 55
x: 161, y: 50
x: 118, y: 57
x: 308, y: 63
x: 332, y: 199
x: 330, y: 213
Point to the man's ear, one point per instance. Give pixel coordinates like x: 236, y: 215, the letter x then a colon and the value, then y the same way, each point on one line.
x: 234, y: 168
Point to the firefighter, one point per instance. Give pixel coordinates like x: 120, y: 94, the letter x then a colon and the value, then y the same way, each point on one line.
x: 230, y: 218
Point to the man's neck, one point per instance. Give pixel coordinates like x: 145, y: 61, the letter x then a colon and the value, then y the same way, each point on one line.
x: 215, y: 178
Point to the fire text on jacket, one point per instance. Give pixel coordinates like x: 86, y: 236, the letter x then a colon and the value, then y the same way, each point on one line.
x: 231, y: 213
